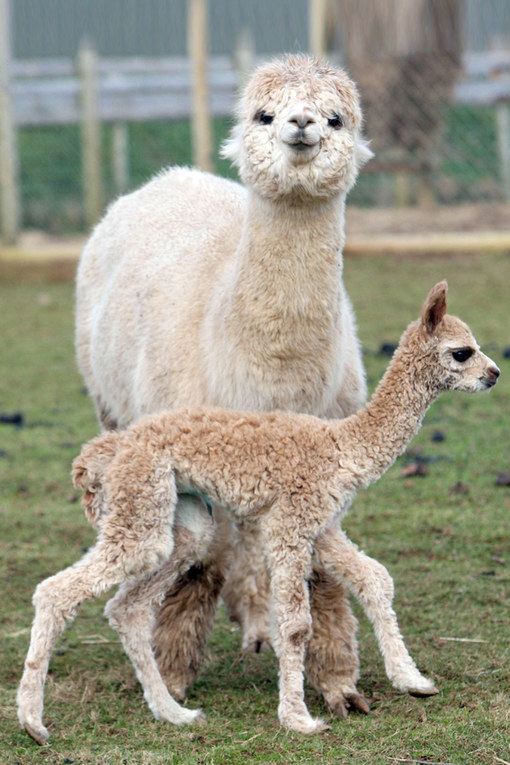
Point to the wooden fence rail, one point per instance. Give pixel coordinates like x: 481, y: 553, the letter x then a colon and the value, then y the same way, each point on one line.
x: 47, y: 92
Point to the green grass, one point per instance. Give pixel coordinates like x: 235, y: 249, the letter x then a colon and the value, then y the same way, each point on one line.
x: 448, y: 553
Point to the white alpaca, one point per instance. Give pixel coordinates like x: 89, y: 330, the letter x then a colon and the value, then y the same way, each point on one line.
x: 292, y: 475
x: 196, y: 291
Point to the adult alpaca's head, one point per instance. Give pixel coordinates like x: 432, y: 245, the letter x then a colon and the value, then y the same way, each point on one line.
x: 299, y: 131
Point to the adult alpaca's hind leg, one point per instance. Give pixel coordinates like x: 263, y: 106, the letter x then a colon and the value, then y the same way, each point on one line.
x: 246, y: 592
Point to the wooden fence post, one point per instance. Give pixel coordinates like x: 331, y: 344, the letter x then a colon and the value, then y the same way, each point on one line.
x: 90, y: 134
x: 120, y: 160
x: 317, y: 25
x: 198, y: 54
x: 503, y: 133
x: 9, y: 192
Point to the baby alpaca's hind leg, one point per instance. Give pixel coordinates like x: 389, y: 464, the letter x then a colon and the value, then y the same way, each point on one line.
x: 371, y: 584
x: 132, y: 612
x: 56, y: 602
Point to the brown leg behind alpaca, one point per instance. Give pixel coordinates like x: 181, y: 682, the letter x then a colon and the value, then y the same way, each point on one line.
x: 186, y: 617
x: 331, y: 661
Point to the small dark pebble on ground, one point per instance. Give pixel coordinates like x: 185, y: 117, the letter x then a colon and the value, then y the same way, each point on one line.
x: 460, y: 488
x: 503, y: 479
x: 14, y: 418
x: 438, y: 435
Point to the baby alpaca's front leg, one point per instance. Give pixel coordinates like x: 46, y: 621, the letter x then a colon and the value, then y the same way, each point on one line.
x: 371, y: 584
x: 289, y: 567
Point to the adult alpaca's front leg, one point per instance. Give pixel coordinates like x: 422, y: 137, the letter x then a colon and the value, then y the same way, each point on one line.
x: 185, y: 617
x: 331, y: 663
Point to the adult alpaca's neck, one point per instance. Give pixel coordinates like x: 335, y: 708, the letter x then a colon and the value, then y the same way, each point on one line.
x: 380, y: 433
x: 288, y: 266
x: 279, y: 310
x: 289, y: 239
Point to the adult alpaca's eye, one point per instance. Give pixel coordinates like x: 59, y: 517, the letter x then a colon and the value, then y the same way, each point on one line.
x: 335, y: 122
x: 264, y: 118
x: 463, y: 354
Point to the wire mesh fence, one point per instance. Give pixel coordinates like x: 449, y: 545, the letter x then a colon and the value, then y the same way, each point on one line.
x: 434, y: 77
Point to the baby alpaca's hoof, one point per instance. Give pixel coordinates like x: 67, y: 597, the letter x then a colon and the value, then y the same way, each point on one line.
x: 40, y: 736
x: 200, y: 719
x: 305, y: 724
x: 423, y: 692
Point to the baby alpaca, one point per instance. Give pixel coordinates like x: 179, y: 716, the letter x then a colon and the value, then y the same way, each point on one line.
x: 293, y: 475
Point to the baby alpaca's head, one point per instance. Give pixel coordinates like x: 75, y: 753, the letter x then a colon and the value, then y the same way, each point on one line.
x: 298, y: 132
x: 444, y: 350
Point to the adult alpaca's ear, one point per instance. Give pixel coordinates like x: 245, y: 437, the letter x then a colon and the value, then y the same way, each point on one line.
x: 363, y: 152
x: 434, y: 307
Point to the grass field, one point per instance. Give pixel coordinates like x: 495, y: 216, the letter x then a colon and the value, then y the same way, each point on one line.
x: 444, y: 537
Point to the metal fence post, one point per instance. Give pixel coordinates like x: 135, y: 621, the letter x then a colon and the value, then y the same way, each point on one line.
x: 9, y: 192
x: 90, y: 134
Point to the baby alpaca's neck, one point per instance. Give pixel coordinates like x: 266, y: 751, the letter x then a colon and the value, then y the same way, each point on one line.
x: 381, y: 432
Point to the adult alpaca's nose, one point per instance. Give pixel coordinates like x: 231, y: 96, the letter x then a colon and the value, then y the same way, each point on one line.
x: 301, y: 116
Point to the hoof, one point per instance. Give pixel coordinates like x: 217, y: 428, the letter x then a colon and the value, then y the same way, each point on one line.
x: 257, y: 646
x: 423, y: 692
x: 200, y: 719
x: 40, y: 736
x: 342, y: 705
x: 306, y: 725
x: 358, y: 702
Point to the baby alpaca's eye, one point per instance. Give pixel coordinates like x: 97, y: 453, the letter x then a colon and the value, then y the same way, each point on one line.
x: 263, y: 117
x: 463, y: 354
x: 335, y: 122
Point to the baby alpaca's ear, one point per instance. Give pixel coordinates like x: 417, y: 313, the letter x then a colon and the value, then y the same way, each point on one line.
x: 434, y: 307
